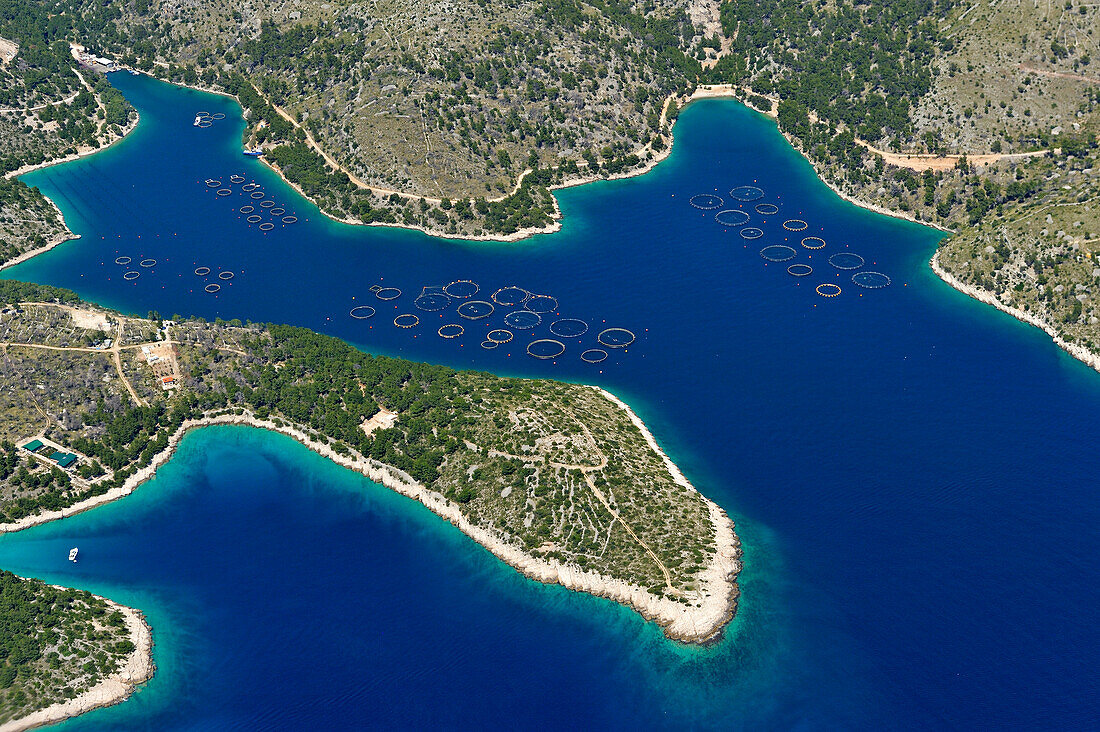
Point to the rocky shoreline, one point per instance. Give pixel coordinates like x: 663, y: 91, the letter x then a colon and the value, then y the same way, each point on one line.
x: 1078, y: 352
x: 137, y: 669
x: 696, y: 623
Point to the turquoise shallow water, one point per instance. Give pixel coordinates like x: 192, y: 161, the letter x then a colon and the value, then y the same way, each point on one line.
x: 909, y: 469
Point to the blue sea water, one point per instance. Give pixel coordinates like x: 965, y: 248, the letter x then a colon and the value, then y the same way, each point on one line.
x: 913, y: 474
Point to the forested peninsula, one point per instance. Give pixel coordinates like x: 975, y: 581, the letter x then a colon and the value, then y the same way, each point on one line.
x: 560, y: 480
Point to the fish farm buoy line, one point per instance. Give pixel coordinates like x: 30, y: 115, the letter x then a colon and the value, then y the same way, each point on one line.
x: 475, y: 309
x: 451, y: 330
x: 871, y: 280
x: 706, y: 201
x: 541, y: 303
x: 461, y: 289
x: 387, y: 293
x: 846, y: 260
x: 522, y: 319
x: 545, y: 348
x: 362, y: 312
x: 732, y: 217
x: 510, y: 296
x: 569, y: 328
x: 747, y: 193
x: 778, y: 253
x: 616, y: 337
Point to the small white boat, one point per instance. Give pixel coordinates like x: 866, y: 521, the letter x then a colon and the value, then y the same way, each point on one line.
x: 198, y: 118
x: 72, y: 554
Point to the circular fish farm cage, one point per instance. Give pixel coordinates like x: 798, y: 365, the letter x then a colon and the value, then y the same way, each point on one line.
x: 871, y: 280
x: 732, y: 217
x: 461, y: 289
x: 257, y: 194
x: 475, y: 309
x: 615, y: 338
x: 267, y: 226
x: 250, y: 186
x: 522, y: 319
x: 594, y: 355
x: 795, y: 225
x: 778, y: 253
x: 569, y: 327
x: 432, y: 302
x: 800, y: 270
x: 488, y: 345
x: 387, y: 293
x: 267, y: 204
x: 813, y: 242
x: 767, y: 209
x: 254, y: 219
x: 212, y: 287
x: 236, y: 178
x: 277, y: 211
x: 217, y: 115
x: 361, y: 312
x: 545, y: 349
x: 451, y: 330
x: 541, y: 303
x: 224, y: 191
x: 247, y: 208
x: 406, y: 320
x: 499, y: 336
x: 227, y: 275
x: 147, y: 263
x: 828, y: 289
x: 510, y: 297
x: 123, y: 260
x: 289, y: 219
x: 204, y: 123
x: 131, y: 275
x: 846, y: 260
x: 202, y: 271
x: 751, y: 232
x: 706, y: 201
x: 747, y: 193
x: 213, y: 183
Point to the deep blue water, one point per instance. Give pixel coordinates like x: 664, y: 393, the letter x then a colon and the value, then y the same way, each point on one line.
x: 913, y: 473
